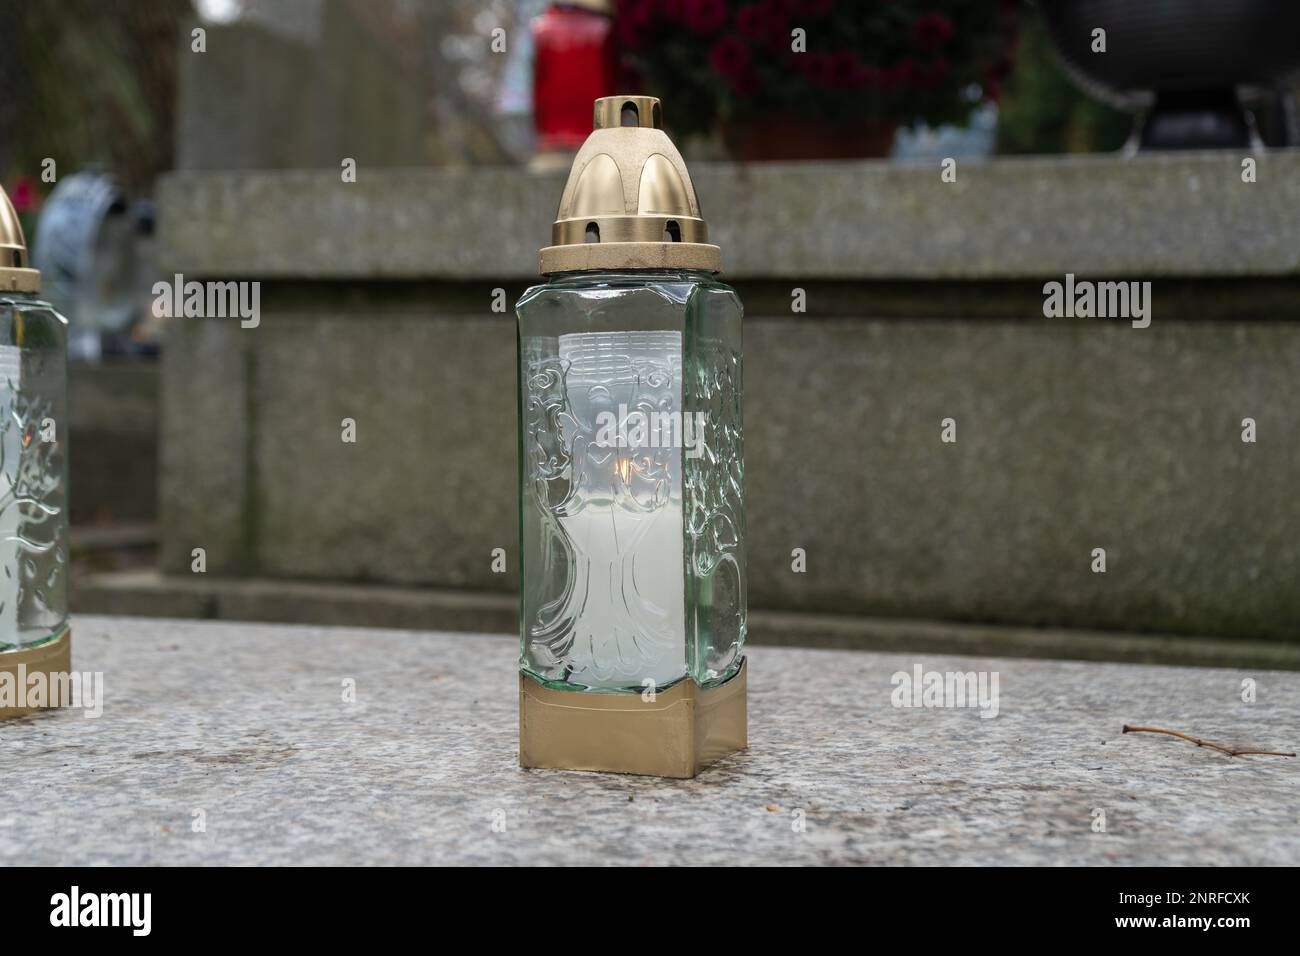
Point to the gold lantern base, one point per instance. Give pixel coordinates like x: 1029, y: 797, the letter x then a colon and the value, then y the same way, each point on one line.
x: 51, y: 659
x: 683, y: 730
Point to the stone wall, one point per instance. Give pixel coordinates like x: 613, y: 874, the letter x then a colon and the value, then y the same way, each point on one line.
x: 262, y: 97
x: 113, y: 464
x: 924, y: 302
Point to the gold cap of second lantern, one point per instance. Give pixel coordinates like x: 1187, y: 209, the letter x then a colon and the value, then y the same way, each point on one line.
x: 15, y: 273
x: 629, y: 202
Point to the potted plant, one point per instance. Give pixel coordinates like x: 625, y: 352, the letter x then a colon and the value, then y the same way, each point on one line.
x: 816, y: 79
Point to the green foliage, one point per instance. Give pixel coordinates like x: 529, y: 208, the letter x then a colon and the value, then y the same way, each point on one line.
x: 1043, y: 111
x: 89, y: 82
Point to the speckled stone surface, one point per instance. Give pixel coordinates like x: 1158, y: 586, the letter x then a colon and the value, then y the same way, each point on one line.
x: 247, y: 724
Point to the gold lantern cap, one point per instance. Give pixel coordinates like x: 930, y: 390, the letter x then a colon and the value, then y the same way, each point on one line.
x: 15, y: 275
x: 629, y: 202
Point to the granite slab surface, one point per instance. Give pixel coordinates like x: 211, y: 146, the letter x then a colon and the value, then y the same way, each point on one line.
x: 224, y: 743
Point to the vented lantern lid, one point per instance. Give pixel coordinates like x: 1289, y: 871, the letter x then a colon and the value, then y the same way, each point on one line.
x: 15, y: 276
x: 629, y: 202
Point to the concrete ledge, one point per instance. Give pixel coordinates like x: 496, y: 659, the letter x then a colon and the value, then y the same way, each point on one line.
x: 1150, y: 216
x: 150, y: 594
x: 109, y: 537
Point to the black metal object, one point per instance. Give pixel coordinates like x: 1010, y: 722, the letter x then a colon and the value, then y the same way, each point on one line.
x: 1185, y: 61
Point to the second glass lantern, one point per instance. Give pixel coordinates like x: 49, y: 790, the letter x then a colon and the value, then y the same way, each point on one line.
x: 34, y: 634
x: 631, y: 491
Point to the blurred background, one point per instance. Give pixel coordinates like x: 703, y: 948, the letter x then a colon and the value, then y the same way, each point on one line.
x: 206, y: 137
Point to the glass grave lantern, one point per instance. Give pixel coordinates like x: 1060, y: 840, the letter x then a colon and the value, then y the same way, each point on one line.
x: 34, y: 635
x: 631, y: 475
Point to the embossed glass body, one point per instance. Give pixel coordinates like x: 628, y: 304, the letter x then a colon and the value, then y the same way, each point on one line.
x: 33, y: 472
x: 631, y: 480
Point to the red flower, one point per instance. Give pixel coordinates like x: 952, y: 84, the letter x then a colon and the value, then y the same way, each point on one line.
x: 817, y: 68
x: 634, y: 19
x: 812, y: 8
x: 746, y: 83
x: 842, y: 68
x: 865, y: 75
x: 705, y: 16
x: 24, y: 194
x: 931, y: 31
x: 906, y: 73
x: 765, y: 23
x: 778, y: 31
x: 730, y: 57
x: 671, y: 9
x: 759, y: 21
